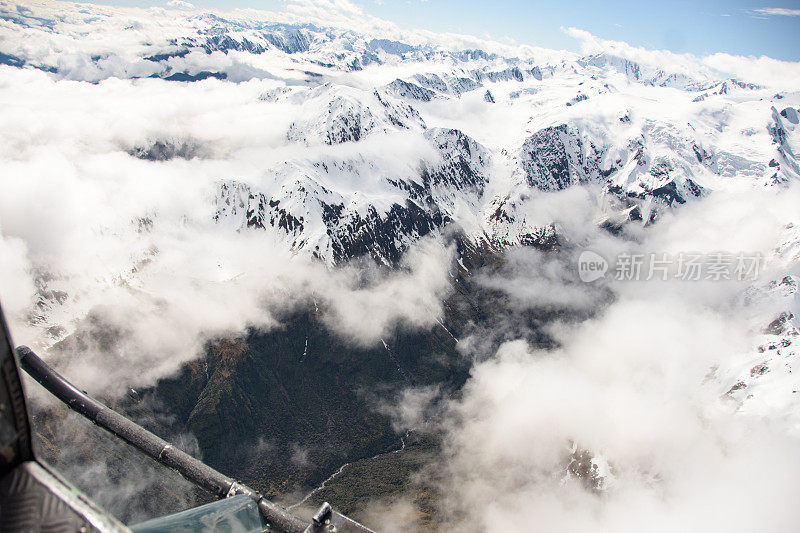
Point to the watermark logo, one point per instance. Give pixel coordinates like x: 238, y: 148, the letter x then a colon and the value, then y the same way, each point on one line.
x: 716, y: 266
x: 591, y: 266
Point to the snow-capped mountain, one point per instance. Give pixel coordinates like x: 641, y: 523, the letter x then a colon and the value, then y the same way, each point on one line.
x: 481, y: 136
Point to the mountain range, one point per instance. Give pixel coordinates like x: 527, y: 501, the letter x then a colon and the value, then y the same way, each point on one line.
x: 377, y: 145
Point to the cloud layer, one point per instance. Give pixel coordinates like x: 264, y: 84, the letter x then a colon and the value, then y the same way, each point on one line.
x: 641, y: 388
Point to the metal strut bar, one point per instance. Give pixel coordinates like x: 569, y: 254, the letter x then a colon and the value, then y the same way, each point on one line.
x: 190, y: 468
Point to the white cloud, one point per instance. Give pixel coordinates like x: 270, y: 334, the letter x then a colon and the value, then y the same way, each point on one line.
x: 629, y: 388
x: 759, y: 70
x: 778, y: 11
x: 72, y: 213
x: 411, y: 408
x: 634, y: 386
x: 18, y: 287
x: 180, y: 4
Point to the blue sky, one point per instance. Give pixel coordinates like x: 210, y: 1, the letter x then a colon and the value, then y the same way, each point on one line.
x: 737, y: 27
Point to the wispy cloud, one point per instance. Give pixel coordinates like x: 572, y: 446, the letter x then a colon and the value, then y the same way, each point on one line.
x: 779, y: 11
